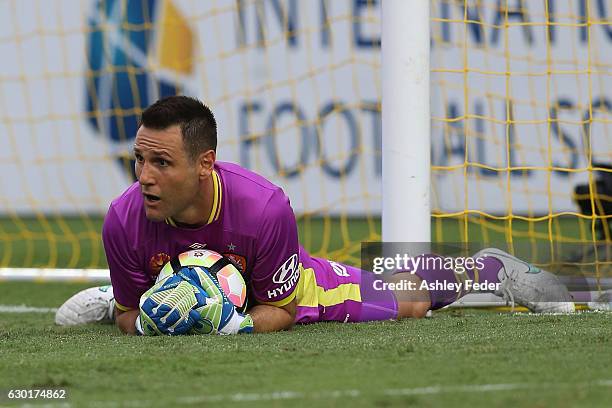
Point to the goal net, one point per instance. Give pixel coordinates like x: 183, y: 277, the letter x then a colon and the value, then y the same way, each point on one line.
x: 520, y: 97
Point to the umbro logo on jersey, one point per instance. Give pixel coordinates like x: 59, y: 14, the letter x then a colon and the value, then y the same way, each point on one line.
x: 286, y: 270
x: 197, y: 245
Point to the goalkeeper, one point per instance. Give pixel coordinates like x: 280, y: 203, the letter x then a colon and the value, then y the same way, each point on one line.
x: 185, y: 199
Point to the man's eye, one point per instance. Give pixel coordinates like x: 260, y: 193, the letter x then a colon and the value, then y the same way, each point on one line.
x: 163, y: 163
x: 138, y: 158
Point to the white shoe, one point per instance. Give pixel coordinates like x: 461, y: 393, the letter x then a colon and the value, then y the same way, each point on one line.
x: 88, y: 306
x: 538, y: 290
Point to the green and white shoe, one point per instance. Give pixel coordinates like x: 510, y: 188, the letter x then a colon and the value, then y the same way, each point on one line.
x: 88, y: 306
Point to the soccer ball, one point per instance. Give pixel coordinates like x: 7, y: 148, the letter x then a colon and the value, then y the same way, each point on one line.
x: 227, y: 274
x: 233, y: 285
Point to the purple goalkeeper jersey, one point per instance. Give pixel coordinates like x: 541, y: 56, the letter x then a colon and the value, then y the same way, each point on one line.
x: 251, y: 222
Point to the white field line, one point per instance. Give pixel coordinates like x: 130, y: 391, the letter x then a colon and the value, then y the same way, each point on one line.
x: 343, y: 394
x: 52, y: 274
x: 337, y: 394
x: 45, y: 405
x: 390, y: 392
x: 31, y: 309
x: 26, y: 309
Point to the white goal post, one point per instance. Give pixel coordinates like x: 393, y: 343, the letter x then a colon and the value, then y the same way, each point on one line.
x: 406, y: 208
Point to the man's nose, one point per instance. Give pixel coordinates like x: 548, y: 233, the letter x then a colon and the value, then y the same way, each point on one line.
x: 146, y: 175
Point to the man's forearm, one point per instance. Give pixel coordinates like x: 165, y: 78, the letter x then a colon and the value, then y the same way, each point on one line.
x: 126, y: 320
x: 268, y: 318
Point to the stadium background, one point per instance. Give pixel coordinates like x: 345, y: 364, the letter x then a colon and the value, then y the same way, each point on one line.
x: 520, y: 113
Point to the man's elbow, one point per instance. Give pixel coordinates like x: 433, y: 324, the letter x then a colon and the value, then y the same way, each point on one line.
x: 289, y: 324
x: 126, y: 321
x: 130, y: 331
x: 291, y: 309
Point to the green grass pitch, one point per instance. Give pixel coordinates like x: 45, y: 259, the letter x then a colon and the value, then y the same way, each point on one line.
x: 456, y: 358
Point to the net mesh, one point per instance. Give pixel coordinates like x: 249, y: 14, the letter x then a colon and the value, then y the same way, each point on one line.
x: 521, y: 110
x: 523, y: 122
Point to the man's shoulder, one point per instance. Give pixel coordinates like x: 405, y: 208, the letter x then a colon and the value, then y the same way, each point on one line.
x: 250, y: 198
x: 246, y: 178
x: 129, y: 202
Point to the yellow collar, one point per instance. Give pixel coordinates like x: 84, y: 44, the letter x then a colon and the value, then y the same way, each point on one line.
x: 217, y: 199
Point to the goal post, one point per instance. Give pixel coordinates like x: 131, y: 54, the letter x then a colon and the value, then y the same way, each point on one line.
x: 406, y: 146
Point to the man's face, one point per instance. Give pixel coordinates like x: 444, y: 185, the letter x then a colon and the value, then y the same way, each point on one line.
x: 169, y: 181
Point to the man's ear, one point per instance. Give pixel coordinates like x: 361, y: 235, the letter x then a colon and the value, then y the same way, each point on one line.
x: 206, y: 162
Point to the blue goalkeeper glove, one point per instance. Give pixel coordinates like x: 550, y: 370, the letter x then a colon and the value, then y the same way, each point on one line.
x: 218, y: 314
x: 168, y: 307
x: 189, y: 302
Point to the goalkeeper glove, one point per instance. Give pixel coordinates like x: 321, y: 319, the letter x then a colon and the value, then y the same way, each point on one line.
x: 189, y: 302
x: 167, y: 308
x: 217, y: 313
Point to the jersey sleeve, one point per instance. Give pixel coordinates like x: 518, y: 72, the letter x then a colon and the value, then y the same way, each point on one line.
x: 276, y: 272
x: 127, y: 275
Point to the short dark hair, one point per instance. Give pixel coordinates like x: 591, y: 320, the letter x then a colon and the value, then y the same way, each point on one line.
x: 197, y: 122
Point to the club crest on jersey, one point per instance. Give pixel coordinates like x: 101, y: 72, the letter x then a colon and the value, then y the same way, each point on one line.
x: 238, y: 260
x: 157, y: 262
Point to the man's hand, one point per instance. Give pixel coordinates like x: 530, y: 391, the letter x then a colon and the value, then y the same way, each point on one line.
x: 218, y: 313
x: 169, y: 306
x: 265, y: 318
x: 190, y: 302
x: 268, y: 318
